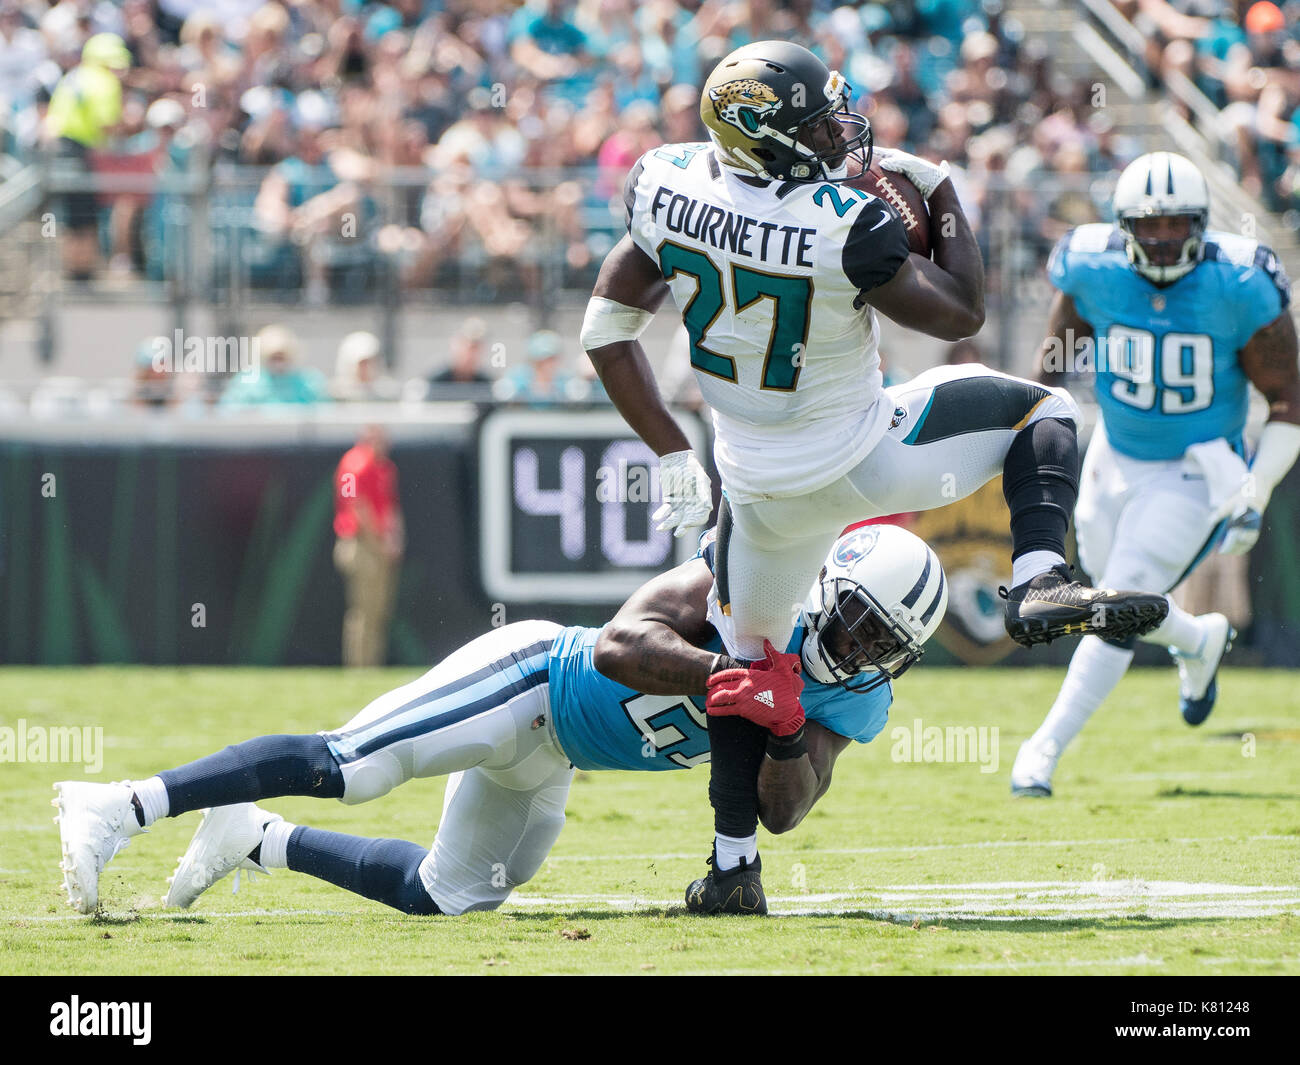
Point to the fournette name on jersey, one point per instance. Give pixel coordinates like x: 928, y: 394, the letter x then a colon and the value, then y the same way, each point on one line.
x: 867, y: 248
x: 727, y: 231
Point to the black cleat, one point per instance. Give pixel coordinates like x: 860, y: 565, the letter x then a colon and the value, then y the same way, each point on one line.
x: 1052, y: 605
x: 738, y: 890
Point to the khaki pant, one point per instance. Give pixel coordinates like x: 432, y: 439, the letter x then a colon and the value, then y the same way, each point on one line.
x: 370, y: 584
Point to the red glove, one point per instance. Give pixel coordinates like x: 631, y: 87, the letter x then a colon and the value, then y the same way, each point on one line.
x: 767, y: 693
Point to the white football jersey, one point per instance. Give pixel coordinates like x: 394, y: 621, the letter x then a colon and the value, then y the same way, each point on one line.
x: 765, y: 275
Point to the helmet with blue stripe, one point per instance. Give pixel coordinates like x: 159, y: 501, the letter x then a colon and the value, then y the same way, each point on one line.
x: 1156, y: 186
x: 879, y: 597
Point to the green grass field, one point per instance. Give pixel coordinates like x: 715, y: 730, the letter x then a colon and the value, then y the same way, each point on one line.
x: 1166, y: 850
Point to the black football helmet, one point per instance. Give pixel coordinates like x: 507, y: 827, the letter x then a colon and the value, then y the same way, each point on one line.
x: 774, y: 110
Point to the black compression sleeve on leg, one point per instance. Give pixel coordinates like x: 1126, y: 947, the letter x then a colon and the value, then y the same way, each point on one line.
x: 1040, y: 479
x: 386, y: 870
x: 737, y: 747
x: 263, y: 768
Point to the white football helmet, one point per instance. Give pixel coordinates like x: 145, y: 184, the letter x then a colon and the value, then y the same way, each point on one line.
x: 879, y: 597
x: 1162, y: 183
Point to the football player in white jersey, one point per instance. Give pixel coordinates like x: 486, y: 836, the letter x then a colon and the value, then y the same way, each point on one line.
x: 1178, y: 320
x: 778, y: 268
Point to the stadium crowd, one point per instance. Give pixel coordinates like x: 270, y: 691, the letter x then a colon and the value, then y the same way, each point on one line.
x: 1244, y: 55
x: 348, y: 146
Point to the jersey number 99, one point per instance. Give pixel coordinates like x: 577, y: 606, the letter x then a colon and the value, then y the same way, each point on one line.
x: 1182, y: 374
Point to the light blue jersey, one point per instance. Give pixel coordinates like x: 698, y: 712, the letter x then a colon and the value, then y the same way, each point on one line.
x: 1167, y: 365
x: 602, y: 724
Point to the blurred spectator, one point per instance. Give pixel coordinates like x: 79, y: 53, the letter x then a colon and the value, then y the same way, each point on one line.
x: 542, y: 380
x: 359, y: 373
x: 278, y: 379
x: 371, y: 541
x: 468, y: 355
x: 547, y: 44
x: 962, y: 352
x: 22, y: 51
x: 304, y: 201
x: 153, y: 383
x: 85, y: 107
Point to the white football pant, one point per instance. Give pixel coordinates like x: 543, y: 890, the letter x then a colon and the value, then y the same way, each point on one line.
x: 482, y: 715
x: 951, y: 429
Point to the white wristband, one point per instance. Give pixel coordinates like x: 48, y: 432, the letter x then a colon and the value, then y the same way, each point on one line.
x: 608, y: 322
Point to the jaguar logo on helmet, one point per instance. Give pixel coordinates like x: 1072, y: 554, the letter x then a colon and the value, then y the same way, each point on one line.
x: 745, y: 104
x: 777, y: 112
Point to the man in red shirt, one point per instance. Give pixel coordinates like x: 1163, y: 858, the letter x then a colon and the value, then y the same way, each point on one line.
x: 371, y: 539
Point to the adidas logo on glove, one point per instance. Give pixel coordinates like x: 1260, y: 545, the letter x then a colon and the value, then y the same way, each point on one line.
x: 765, y: 698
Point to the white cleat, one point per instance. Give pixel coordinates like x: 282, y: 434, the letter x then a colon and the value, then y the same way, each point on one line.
x: 221, y: 845
x: 1031, y: 775
x: 1198, y: 674
x: 95, y: 822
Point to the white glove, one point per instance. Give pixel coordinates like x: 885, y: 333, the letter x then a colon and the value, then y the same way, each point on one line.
x: 1243, y: 531
x: 686, y: 490
x: 920, y: 172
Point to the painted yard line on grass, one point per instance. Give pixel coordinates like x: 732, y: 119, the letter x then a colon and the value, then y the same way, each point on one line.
x: 868, y: 907
x: 909, y: 848
x: 1017, y: 900
x: 1139, y: 962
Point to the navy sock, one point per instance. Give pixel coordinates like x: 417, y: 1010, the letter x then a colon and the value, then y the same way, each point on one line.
x: 1040, y: 479
x: 737, y: 747
x: 263, y: 768
x: 386, y: 870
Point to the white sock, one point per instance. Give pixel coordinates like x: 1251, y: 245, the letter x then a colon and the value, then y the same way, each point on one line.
x: 275, y: 844
x: 1180, y: 630
x: 152, y: 794
x: 1031, y: 564
x: 730, y: 850
x: 1094, y: 671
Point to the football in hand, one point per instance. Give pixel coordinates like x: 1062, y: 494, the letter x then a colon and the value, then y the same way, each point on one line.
x: 906, y: 200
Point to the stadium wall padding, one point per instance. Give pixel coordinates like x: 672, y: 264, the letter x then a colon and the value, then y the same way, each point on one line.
x: 165, y: 554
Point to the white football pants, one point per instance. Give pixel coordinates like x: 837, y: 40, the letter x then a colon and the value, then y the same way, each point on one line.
x: 1141, y: 525
x: 950, y: 433
x: 482, y: 715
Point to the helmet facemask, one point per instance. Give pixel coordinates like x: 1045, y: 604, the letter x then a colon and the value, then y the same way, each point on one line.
x: 1140, y: 250
x: 856, y: 643
x: 847, y: 150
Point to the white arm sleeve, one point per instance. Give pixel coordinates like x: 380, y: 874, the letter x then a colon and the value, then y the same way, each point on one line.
x: 608, y: 322
x: 1279, y: 445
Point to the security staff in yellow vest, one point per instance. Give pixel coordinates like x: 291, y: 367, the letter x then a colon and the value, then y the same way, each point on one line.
x: 85, y: 106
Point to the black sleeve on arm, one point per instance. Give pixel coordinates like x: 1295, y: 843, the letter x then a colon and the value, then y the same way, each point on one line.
x: 629, y: 192
x: 875, y: 250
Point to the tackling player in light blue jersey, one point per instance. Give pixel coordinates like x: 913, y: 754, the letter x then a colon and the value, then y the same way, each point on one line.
x: 509, y: 717
x: 1178, y: 321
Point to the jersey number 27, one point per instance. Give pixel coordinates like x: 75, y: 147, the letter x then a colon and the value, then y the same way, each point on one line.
x: 791, y: 305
